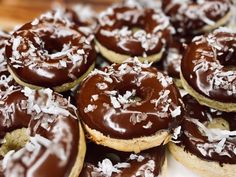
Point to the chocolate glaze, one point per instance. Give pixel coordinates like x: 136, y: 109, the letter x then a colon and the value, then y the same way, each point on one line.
x: 196, y: 142
x: 52, y: 126
x: 103, y: 103
x: 49, y: 52
x: 190, y: 16
x: 206, y: 66
x: 146, y: 162
x: 116, y: 25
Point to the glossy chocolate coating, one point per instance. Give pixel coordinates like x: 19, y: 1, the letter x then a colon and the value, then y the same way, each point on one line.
x: 190, y: 16
x: 206, y: 66
x: 195, y: 142
x: 52, y: 126
x: 147, y: 162
x: 49, y: 52
x: 103, y: 103
x: 117, y: 25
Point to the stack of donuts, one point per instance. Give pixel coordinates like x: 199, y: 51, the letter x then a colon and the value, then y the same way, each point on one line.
x: 86, y: 94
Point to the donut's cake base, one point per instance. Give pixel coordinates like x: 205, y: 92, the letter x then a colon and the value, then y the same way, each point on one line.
x: 178, y: 83
x: 130, y: 145
x: 62, y: 88
x: 81, y: 154
x: 119, y: 58
x: 202, y: 167
x: 227, y: 107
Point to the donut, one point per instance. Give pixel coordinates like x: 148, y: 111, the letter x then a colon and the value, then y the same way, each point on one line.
x: 40, y: 133
x: 194, y: 17
x: 129, y: 107
x: 50, y: 52
x: 104, y: 162
x: 126, y: 31
x: 207, y: 69
x: 208, y: 140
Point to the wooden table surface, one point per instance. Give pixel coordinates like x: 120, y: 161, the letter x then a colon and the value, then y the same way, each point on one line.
x: 17, y: 12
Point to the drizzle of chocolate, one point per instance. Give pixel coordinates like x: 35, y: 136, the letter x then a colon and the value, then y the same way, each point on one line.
x: 148, y: 162
x: 50, y: 51
x: 133, y: 30
x: 190, y: 16
x: 198, y: 143
x: 129, y: 100
x: 53, y: 128
x: 206, y: 65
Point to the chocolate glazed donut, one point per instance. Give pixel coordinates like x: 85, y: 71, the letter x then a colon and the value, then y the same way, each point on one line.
x: 133, y: 30
x: 49, y: 52
x: 191, y: 17
x: 207, y: 140
x: 200, y: 142
x: 54, y: 137
x: 102, y: 162
x: 130, y: 101
x: 207, y: 69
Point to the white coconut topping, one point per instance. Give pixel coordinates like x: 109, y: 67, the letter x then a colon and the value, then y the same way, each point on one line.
x: 176, y: 112
x: 90, y: 108
x: 107, y: 168
x: 139, y: 158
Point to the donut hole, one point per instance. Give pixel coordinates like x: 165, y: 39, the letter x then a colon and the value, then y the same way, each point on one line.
x: 228, y: 60
x: 52, y: 45
x: 14, y: 140
x: 226, y: 53
x: 132, y: 96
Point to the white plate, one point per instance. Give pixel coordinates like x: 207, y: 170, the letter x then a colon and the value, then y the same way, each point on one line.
x: 175, y: 169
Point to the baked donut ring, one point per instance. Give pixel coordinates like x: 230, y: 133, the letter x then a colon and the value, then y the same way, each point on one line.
x: 208, y: 141
x: 50, y: 52
x: 207, y: 70
x: 194, y: 17
x: 126, y: 31
x: 40, y: 133
x: 129, y: 107
x: 104, y: 162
